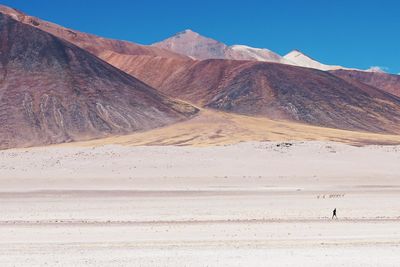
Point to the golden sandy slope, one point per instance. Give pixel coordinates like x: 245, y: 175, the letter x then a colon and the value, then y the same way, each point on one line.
x: 219, y: 128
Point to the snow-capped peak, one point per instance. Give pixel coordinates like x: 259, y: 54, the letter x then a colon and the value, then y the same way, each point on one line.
x: 250, y: 53
x: 187, y: 32
x: 297, y: 58
x: 247, y: 48
x: 377, y: 69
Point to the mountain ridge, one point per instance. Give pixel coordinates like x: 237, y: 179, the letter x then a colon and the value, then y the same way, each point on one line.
x: 90, y: 42
x: 196, y: 46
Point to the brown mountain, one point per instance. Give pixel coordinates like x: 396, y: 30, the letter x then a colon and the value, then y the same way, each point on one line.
x: 52, y: 91
x: 384, y: 81
x: 89, y: 42
x: 276, y: 91
x: 154, y: 71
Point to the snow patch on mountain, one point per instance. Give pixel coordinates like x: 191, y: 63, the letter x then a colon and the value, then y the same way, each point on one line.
x: 259, y: 54
x: 378, y: 69
x: 297, y: 58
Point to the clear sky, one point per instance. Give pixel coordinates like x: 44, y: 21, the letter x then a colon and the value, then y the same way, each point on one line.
x: 353, y: 33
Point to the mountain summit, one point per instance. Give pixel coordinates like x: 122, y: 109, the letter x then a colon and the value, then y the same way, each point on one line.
x: 194, y: 45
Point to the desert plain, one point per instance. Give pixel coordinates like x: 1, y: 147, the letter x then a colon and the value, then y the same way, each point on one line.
x: 245, y: 204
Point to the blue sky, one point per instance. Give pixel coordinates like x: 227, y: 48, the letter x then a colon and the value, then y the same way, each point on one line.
x: 351, y: 33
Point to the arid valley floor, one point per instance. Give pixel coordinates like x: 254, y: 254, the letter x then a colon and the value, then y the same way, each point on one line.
x: 248, y: 204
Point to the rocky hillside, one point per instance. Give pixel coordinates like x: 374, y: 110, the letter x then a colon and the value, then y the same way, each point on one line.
x: 52, y: 91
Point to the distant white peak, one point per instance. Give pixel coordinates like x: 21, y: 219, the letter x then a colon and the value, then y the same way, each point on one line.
x: 295, y: 54
x: 377, y: 69
x: 259, y: 54
x: 248, y: 48
x: 187, y: 32
x: 297, y: 58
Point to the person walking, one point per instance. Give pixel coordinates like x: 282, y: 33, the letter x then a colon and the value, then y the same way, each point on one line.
x: 334, y: 214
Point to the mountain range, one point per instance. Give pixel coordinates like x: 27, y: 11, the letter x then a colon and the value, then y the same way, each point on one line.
x: 60, y: 85
x: 194, y: 45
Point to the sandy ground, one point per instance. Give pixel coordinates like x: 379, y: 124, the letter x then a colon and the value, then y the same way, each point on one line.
x: 250, y: 204
x: 211, y: 127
